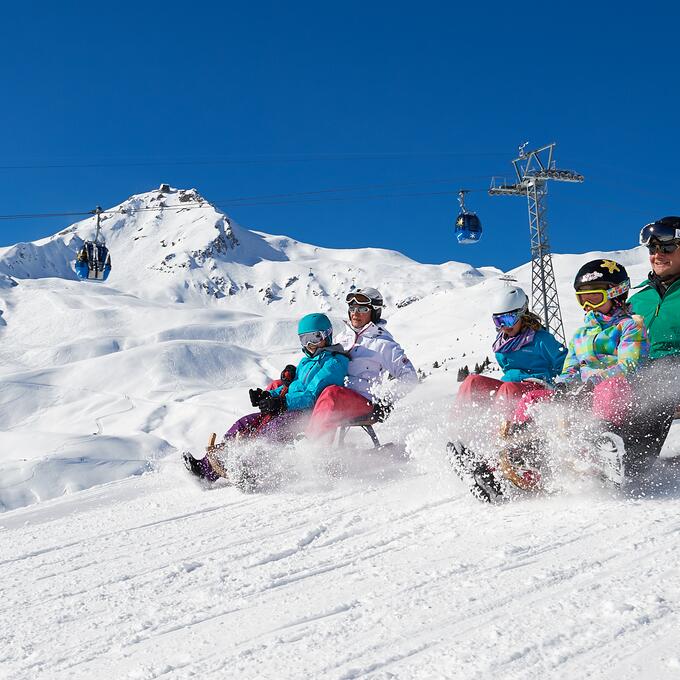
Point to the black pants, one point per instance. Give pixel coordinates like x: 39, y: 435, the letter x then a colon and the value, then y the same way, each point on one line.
x: 656, y: 390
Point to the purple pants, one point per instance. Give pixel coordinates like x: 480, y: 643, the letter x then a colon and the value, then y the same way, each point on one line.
x: 281, y: 428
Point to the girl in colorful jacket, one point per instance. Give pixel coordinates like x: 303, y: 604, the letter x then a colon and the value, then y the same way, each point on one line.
x: 605, y: 351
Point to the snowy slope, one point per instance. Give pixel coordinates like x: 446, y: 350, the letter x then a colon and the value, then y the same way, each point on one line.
x: 196, y: 310
x: 114, y: 564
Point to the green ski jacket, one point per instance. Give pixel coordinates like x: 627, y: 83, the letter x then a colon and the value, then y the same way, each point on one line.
x: 661, y: 315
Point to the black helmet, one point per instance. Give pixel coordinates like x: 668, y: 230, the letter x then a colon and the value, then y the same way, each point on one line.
x: 664, y: 230
x: 370, y: 297
x: 608, y: 275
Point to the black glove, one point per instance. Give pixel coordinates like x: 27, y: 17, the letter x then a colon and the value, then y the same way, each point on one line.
x: 271, y: 405
x: 256, y: 396
x: 382, y: 409
x: 288, y: 374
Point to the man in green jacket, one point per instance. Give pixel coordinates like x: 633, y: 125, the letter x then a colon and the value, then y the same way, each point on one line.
x: 658, y: 302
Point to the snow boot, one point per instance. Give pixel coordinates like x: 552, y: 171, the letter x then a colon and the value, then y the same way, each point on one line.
x: 487, y: 487
x: 477, y: 474
x: 609, y: 457
x: 191, y: 464
x: 200, y: 467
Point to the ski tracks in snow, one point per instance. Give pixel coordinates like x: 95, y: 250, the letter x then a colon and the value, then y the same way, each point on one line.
x: 396, y: 580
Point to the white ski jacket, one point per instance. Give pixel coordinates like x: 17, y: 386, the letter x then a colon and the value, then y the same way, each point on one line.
x: 374, y: 357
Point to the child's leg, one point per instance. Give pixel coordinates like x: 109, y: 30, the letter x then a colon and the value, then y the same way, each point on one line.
x: 335, y: 406
x: 245, y: 426
x: 612, y: 400
x: 479, y: 389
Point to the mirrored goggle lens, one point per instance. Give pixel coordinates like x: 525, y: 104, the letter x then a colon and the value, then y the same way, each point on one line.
x: 666, y: 248
x: 592, y: 298
x: 659, y: 231
x: 358, y: 298
x: 311, y: 338
x: 506, y: 320
x: 362, y: 309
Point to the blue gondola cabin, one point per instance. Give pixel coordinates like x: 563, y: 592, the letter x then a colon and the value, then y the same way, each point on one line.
x: 468, y: 228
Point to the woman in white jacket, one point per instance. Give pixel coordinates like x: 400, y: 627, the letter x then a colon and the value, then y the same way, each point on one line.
x: 379, y: 371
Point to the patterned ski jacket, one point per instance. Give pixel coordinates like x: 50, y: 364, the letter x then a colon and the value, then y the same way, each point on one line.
x: 606, y: 346
x: 542, y: 358
x: 327, y: 367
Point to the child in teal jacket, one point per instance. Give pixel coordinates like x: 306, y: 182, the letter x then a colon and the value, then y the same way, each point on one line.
x: 285, y: 410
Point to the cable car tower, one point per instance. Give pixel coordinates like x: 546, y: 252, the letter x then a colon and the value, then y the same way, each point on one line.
x: 533, y: 170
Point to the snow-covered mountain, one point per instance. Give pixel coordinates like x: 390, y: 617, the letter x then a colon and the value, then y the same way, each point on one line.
x: 197, y: 309
x: 172, y: 245
x: 196, y: 306
x: 368, y: 567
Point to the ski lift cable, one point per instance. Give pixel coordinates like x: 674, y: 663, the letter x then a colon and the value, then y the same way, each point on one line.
x: 366, y: 197
x: 449, y: 180
x: 28, y: 216
x: 296, y: 197
x: 253, y: 160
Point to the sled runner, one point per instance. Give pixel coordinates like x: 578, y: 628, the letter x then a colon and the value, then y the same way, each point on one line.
x: 366, y: 424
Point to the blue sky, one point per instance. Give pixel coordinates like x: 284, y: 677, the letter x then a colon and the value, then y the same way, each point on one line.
x: 413, y: 99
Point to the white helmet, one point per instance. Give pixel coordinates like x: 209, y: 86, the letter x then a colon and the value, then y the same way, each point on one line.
x: 368, y: 296
x: 509, y: 299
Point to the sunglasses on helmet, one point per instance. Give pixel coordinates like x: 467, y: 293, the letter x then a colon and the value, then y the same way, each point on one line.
x: 507, y: 319
x: 662, y: 231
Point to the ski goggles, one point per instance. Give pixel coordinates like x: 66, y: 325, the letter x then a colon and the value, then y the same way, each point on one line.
x: 507, y: 319
x: 362, y: 309
x: 358, y: 299
x: 594, y: 299
x: 660, y: 231
x: 313, y: 338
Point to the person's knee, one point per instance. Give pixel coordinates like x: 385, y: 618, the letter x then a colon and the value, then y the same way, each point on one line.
x: 331, y: 394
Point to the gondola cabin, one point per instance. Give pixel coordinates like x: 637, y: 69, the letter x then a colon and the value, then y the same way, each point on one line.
x: 468, y: 225
x: 468, y: 228
x: 93, y: 261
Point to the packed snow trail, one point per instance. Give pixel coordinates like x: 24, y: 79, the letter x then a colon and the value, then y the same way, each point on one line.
x: 408, y: 578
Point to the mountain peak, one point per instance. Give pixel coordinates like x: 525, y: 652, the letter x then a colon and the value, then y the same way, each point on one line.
x: 173, y: 245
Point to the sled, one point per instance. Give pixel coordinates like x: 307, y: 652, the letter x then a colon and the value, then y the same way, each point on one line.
x: 366, y: 423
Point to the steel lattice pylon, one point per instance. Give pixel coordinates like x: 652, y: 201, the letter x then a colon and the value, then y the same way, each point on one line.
x: 533, y: 170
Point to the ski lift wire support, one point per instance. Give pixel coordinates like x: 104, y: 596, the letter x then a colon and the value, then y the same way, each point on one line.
x: 98, y: 212
x: 533, y: 170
